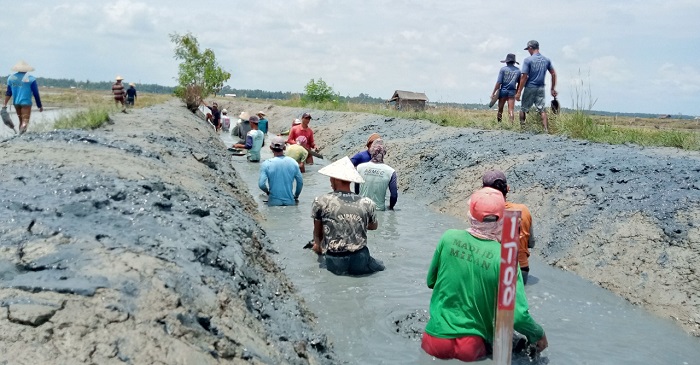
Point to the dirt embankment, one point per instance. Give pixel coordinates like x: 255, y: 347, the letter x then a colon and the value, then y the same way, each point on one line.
x: 625, y: 217
x: 138, y: 243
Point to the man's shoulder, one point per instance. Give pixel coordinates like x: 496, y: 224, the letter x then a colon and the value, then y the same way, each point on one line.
x: 518, y: 206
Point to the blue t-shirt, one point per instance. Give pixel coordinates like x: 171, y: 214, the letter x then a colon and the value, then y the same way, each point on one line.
x: 280, y: 173
x: 360, y: 157
x: 536, y: 67
x: 262, y: 125
x: 508, y: 77
x: 22, y: 87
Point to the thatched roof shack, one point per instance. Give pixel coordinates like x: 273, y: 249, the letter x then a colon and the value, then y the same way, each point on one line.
x: 405, y: 100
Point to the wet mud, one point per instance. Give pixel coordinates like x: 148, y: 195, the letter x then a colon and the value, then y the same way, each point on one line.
x: 137, y: 243
x: 624, y: 217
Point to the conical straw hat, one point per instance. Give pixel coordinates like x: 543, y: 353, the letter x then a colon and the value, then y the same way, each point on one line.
x: 22, y: 66
x: 342, y: 170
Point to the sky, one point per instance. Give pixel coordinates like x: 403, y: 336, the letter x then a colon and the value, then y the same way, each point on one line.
x: 623, y: 56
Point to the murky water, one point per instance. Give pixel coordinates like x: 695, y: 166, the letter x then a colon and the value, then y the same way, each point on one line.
x: 584, y: 323
x: 38, y: 121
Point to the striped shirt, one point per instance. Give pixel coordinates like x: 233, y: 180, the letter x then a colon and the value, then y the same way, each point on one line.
x: 118, y: 91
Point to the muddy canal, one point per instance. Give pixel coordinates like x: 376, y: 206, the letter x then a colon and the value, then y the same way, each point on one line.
x: 379, y: 319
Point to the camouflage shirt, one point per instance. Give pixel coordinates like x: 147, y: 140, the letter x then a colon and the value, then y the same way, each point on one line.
x: 345, y: 217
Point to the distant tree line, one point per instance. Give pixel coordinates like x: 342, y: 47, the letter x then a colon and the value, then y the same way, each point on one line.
x: 95, y: 85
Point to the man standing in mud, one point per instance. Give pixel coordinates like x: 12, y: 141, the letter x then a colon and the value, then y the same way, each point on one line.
x: 497, y: 180
x: 304, y: 130
x: 21, y: 87
x: 464, y: 276
x: 280, y: 172
x: 532, y: 79
x: 378, y: 177
x: 341, y: 220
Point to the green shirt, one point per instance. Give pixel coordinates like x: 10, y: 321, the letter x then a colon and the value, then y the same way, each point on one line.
x: 297, y: 152
x: 464, y: 278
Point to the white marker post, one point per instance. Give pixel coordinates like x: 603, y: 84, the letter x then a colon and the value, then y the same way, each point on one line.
x: 503, y: 341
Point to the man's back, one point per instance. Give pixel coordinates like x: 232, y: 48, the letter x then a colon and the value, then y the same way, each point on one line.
x: 377, y: 177
x: 345, y: 217
x: 297, y: 152
x: 464, y: 275
x: 280, y: 173
x: 536, y: 67
x: 525, y: 232
x: 258, y: 137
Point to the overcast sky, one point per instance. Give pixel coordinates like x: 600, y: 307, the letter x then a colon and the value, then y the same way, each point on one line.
x: 636, y: 56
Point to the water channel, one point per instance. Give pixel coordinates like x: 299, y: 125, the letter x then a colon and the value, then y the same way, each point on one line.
x: 585, y: 324
x: 38, y: 122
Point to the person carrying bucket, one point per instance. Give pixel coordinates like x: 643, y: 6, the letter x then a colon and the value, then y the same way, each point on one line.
x: 464, y: 276
x: 21, y: 87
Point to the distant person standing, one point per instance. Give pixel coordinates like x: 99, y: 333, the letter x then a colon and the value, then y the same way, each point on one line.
x: 497, y: 180
x: 225, y: 120
x: 506, y: 86
x: 378, y: 177
x: 21, y: 87
x: 298, y: 152
x: 304, y: 130
x: 532, y: 80
x: 263, y: 124
x: 131, y: 95
x: 119, y: 92
x: 341, y: 221
x: 363, y: 156
x: 253, y: 140
x: 464, y: 276
x: 278, y: 176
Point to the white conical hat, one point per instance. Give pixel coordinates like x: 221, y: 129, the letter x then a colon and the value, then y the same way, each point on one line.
x: 342, y: 170
x: 22, y: 66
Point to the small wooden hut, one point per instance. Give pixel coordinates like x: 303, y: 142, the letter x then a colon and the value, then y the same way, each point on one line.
x: 407, y: 100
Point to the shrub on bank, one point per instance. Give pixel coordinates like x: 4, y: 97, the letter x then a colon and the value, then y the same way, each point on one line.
x: 93, y: 117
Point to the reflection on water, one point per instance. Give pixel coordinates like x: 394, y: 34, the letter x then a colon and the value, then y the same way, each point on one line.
x: 584, y: 323
x: 38, y: 121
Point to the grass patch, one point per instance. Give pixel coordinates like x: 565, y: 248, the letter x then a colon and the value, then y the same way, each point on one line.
x: 574, y: 124
x: 70, y: 98
x: 93, y: 117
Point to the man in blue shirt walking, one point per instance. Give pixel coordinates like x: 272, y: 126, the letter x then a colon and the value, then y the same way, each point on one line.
x: 21, y: 87
x: 280, y: 172
x: 532, y: 79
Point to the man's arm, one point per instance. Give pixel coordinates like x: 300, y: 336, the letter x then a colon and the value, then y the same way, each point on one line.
x: 35, y: 92
x: 262, y: 180
x: 554, y: 82
x: 299, y: 183
x: 393, y: 190
x: 521, y: 84
x: 434, y: 265
x: 8, y: 95
x: 318, y: 236
x: 311, y: 142
x: 531, y: 238
x: 373, y: 223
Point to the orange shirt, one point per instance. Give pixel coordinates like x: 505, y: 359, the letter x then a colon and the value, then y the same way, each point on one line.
x: 525, y: 225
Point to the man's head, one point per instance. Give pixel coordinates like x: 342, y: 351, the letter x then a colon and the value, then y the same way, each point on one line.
x: 342, y: 173
x: 261, y: 114
x: 278, y: 144
x: 302, y: 141
x: 372, y: 137
x: 532, y: 46
x: 305, y: 119
x: 119, y: 79
x: 254, y: 120
x: 224, y: 111
x: 243, y: 116
x: 214, y: 105
x: 510, y: 59
x: 497, y: 180
x: 487, y: 205
x: 132, y: 84
x: 377, y: 151
x: 296, y: 121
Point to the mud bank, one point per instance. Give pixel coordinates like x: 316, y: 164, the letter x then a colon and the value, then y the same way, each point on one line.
x: 624, y: 217
x: 138, y: 243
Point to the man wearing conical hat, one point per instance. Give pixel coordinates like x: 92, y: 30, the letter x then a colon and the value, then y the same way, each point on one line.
x: 21, y: 87
x: 341, y: 220
x: 119, y: 92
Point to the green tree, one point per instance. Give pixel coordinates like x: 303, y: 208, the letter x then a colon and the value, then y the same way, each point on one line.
x: 319, y: 91
x: 199, y: 74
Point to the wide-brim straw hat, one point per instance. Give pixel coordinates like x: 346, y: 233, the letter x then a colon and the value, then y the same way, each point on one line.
x: 262, y: 113
x: 342, y: 170
x: 119, y: 78
x: 244, y: 116
x: 22, y: 66
x: 132, y: 84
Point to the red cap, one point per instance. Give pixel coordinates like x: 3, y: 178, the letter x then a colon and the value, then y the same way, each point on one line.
x: 485, y: 202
